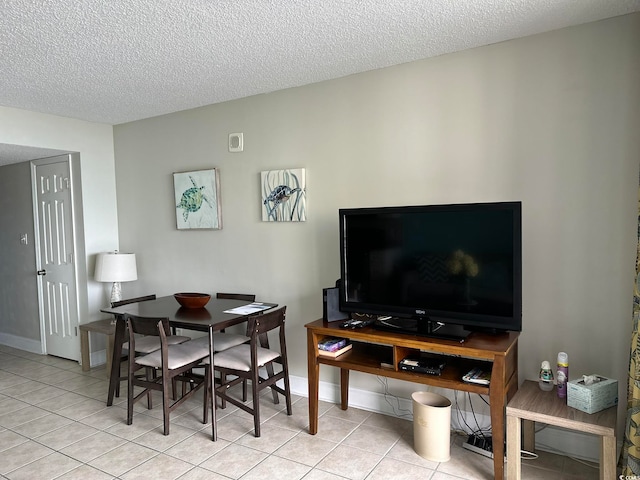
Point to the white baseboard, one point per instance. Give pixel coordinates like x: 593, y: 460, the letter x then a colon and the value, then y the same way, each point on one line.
x: 550, y: 439
x: 34, y: 346
x: 21, y: 343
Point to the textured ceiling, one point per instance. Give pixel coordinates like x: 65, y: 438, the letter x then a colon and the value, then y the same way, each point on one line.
x: 118, y: 61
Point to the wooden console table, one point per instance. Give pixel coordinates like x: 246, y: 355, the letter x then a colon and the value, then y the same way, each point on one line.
x: 107, y: 327
x: 372, y: 348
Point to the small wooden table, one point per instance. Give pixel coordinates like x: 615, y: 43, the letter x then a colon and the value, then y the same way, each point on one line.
x: 530, y: 404
x: 105, y: 326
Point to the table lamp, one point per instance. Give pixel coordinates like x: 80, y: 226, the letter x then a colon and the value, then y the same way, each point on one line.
x: 116, y: 267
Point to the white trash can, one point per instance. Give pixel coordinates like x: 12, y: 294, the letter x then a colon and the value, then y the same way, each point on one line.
x: 432, y: 426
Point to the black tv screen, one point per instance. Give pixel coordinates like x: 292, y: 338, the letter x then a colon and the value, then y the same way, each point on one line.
x: 449, y: 264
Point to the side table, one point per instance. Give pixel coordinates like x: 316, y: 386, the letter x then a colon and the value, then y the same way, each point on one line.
x: 530, y: 404
x: 99, y: 326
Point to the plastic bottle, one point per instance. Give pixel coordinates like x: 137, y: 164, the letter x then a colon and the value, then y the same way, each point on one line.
x: 545, y: 380
x: 562, y: 374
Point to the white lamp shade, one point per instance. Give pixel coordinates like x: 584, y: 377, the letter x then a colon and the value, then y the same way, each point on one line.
x: 116, y: 267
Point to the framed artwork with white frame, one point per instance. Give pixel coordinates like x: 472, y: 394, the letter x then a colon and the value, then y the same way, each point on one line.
x: 283, y: 195
x: 197, y: 200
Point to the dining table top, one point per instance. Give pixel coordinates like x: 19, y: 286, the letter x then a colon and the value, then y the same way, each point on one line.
x: 214, y: 314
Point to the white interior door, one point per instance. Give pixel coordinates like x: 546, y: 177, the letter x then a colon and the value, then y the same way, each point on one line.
x: 55, y: 256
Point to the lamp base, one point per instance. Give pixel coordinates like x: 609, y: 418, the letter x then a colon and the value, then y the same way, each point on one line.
x: 116, y: 292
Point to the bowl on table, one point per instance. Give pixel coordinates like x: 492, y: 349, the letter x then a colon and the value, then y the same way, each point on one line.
x: 192, y: 300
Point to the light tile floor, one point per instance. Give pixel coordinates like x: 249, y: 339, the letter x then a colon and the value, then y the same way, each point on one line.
x: 54, y: 423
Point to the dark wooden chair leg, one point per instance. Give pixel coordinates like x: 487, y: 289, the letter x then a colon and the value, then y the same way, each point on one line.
x: 166, y: 402
x: 130, y: 395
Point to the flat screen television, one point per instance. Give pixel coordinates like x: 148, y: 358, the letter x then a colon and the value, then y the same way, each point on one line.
x: 434, y: 270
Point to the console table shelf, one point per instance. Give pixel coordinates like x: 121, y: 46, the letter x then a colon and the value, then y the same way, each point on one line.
x: 378, y: 353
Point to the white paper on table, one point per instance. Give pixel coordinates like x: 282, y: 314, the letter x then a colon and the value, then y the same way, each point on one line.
x: 248, y: 309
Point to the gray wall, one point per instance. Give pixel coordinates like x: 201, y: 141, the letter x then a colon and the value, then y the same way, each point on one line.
x: 18, y: 287
x: 551, y: 120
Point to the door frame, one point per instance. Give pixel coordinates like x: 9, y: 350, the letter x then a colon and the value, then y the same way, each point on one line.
x: 80, y: 263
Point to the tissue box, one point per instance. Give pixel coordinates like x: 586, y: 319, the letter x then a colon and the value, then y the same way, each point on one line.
x: 592, y: 398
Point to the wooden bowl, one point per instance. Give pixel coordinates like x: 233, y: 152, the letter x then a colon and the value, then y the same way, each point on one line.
x: 192, y: 300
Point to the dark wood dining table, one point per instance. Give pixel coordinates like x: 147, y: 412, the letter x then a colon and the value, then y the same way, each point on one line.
x: 211, y: 318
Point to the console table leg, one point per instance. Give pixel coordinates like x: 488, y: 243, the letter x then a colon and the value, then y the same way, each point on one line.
x: 497, y: 432
x: 497, y: 397
x: 84, y: 350
x: 313, y: 375
x: 344, y: 388
x: 513, y: 448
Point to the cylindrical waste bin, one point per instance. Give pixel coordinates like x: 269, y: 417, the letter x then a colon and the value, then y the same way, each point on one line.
x: 431, y: 426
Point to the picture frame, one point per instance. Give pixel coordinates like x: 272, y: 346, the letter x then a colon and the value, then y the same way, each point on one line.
x: 283, y: 195
x: 197, y: 200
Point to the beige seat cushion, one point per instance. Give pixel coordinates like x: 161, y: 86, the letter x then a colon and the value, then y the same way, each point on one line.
x: 178, y: 356
x: 151, y: 343
x: 239, y: 357
x: 222, y: 340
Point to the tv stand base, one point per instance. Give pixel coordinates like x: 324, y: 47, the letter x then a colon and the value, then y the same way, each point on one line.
x: 423, y: 328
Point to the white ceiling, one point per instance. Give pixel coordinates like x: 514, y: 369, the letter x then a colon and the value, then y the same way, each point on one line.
x: 123, y: 60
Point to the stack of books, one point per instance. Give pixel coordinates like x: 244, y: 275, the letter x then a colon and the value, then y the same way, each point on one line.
x: 333, y: 347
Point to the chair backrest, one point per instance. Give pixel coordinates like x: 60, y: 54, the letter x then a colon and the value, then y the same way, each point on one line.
x: 258, y: 325
x: 237, y: 296
x: 147, y: 325
x: 132, y: 300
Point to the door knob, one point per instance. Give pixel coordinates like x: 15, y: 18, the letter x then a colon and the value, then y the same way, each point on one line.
x: 42, y: 272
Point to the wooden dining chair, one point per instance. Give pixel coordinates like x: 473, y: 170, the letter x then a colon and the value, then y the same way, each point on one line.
x: 125, y: 345
x: 144, y: 345
x: 223, y: 340
x: 247, y: 297
x: 171, y: 363
x: 128, y: 301
x: 242, y: 363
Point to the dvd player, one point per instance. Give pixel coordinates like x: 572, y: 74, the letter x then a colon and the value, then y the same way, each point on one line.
x: 419, y: 365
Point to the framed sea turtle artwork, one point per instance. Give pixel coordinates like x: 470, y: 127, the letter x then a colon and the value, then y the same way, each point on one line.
x: 197, y: 200
x: 283, y: 195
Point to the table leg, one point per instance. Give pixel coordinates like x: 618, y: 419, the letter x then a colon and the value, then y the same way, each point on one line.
x: 110, y: 343
x: 114, y: 377
x: 607, y: 457
x: 84, y: 350
x: 313, y: 378
x: 344, y: 388
x: 497, y: 395
x: 513, y: 447
x: 529, y: 435
x: 212, y: 383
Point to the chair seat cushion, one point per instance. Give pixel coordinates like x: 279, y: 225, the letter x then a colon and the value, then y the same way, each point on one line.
x: 151, y: 343
x: 178, y: 356
x: 222, y: 341
x: 239, y: 357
